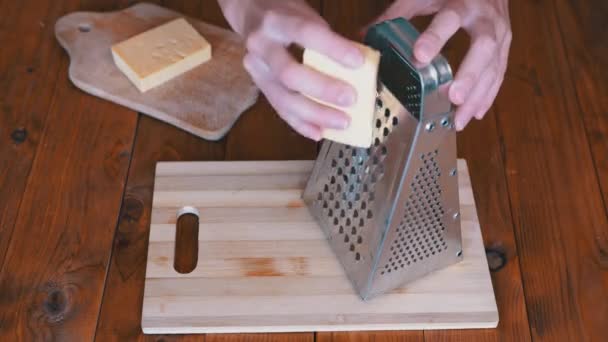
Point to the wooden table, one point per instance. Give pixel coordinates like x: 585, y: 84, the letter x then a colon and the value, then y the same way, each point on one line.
x: 76, y: 177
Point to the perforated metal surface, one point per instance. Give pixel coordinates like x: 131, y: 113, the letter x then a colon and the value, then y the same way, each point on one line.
x: 412, y: 93
x: 387, y: 214
x: 420, y: 234
x: 390, y: 211
x: 349, y: 192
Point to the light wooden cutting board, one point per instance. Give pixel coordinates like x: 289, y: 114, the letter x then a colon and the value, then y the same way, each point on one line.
x: 205, y: 101
x: 264, y: 265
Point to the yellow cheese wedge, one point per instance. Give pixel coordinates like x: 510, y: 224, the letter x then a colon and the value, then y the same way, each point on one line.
x: 363, y: 79
x: 160, y: 54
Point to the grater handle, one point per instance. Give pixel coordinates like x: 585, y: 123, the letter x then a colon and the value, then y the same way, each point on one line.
x: 399, y: 71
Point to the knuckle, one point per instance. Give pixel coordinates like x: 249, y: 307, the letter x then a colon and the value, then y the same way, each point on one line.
x: 278, y: 105
x: 270, y: 19
x: 487, y: 103
x: 307, y: 29
x: 252, y: 42
x: 486, y: 42
x: 247, y: 64
x: 500, y: 79
x: 484, y: 110
x: 451, y: 14
x: 508, y: 36
x: 331, y: 90
x: 431, y: 36
x: 283, y: 115
x: 286, y: 73
x: 500, y: 27
x: 475, y: 105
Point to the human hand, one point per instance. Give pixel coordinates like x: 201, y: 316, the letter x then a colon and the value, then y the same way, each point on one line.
x: 269, y: 28
x: 481, y: 73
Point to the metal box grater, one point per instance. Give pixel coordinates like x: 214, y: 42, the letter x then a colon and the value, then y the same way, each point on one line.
x: 391, y: 211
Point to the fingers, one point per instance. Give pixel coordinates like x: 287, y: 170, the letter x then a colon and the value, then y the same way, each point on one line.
x: 302, y: 79
x: 502, y: 68
x: 483, y: 49
x: 476, y: 102
x: 314, y: 35
x: 481, y: 73
x: 443, y: 26
x: 304, y: 115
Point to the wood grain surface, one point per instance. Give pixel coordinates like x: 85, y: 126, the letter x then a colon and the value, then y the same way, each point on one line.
x: 205, y: 101
x: 556, y: 203
x: 264, y: 265
x: 53, y: 270
x: 537, y: 164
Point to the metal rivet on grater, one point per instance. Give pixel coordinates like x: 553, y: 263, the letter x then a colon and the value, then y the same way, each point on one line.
x: 394, y: 202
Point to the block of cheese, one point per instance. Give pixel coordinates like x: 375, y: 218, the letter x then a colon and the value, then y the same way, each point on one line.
x: 160, y: 54
x: 363, y: 79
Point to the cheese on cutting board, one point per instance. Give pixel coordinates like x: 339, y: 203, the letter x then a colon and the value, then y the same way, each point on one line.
x: 153, y: 57
x: 363, y: 79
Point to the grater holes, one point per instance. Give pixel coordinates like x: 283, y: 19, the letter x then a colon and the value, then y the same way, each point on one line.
x: 356, y: 172
x: 379, y: 103
x: 420, y: 234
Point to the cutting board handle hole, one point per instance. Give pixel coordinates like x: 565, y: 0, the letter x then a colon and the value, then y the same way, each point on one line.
x: 186, y: 240
x: 84, y: 27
